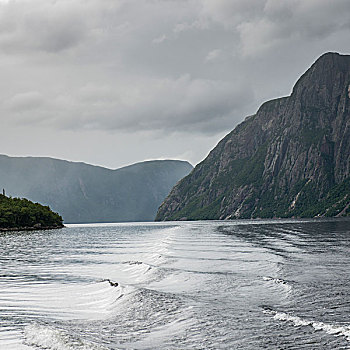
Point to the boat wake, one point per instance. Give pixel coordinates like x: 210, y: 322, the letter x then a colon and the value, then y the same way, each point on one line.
x: 336, y: 330
x: 279, y: 282
x: 48, y: 337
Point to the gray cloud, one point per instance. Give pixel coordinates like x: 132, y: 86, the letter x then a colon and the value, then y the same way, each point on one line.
x: 50, y: 26
x: 293, y: 21
x: 27, y: 101
x: 186, y: 104
x: 156, y: 67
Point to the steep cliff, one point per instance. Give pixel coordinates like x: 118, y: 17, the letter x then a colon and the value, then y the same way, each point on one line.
x: 290, y: 159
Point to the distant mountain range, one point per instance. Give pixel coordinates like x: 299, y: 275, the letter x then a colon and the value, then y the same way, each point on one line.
x: 290, y: 159
x: 85, y: 193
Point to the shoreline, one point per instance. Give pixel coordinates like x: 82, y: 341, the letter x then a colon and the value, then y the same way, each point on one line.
x: 39, y: 228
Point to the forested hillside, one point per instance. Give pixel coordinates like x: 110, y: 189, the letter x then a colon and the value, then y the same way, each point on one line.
x: 22, y: 213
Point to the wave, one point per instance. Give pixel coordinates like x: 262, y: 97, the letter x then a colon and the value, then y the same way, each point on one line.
x: 93, y: 300
x: 47, y: 337
x: 335, y: 330
x: 280, y: 282
x: 131, y: 262
x: 134, y: 272
x: 275, y: 280
x: 63, y: 301
x: 147, y: 308
x: 136, y: 319
x: 138, y: 266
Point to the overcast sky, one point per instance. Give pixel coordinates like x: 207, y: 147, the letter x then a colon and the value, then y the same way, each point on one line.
x: 114, y: 82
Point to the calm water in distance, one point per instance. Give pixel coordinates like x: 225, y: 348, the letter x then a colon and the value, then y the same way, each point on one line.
x: 203, y: 285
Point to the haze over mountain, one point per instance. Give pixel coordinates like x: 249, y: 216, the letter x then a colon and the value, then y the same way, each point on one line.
x: 85, y: 193
x: 290, y: 159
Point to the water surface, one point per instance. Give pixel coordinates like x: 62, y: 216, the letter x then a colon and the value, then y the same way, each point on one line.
x: 201, y: 285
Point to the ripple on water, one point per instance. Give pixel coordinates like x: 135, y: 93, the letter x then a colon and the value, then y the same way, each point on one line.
x: 186, y: 286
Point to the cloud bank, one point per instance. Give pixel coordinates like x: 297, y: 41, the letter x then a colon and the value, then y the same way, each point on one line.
x: 158, y: 67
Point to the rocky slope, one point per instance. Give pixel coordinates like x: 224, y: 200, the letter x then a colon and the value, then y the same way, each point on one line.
x: 290, y: 159
x: 86, y: 193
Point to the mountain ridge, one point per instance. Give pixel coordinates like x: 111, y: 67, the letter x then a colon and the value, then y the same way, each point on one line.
x: 283, y: 161
x: 82, y: 192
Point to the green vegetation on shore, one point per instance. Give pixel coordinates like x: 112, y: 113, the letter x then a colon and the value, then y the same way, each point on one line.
x: 17, y: 213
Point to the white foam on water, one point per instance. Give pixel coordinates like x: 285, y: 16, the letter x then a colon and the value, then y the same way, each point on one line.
x: 318, y: 326
x: 46, y: 337
x: 279, y: 282
x: 275, y: 280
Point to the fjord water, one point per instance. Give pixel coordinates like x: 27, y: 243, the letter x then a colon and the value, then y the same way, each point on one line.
x: 200, y: 285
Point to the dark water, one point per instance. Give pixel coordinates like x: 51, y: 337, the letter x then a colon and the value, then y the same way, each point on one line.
x: 203, y: 285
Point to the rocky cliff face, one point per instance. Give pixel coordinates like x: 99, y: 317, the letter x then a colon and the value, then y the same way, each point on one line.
x: 290, y: 159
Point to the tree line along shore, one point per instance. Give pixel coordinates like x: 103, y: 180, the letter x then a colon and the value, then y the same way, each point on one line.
x: 22, y: 214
